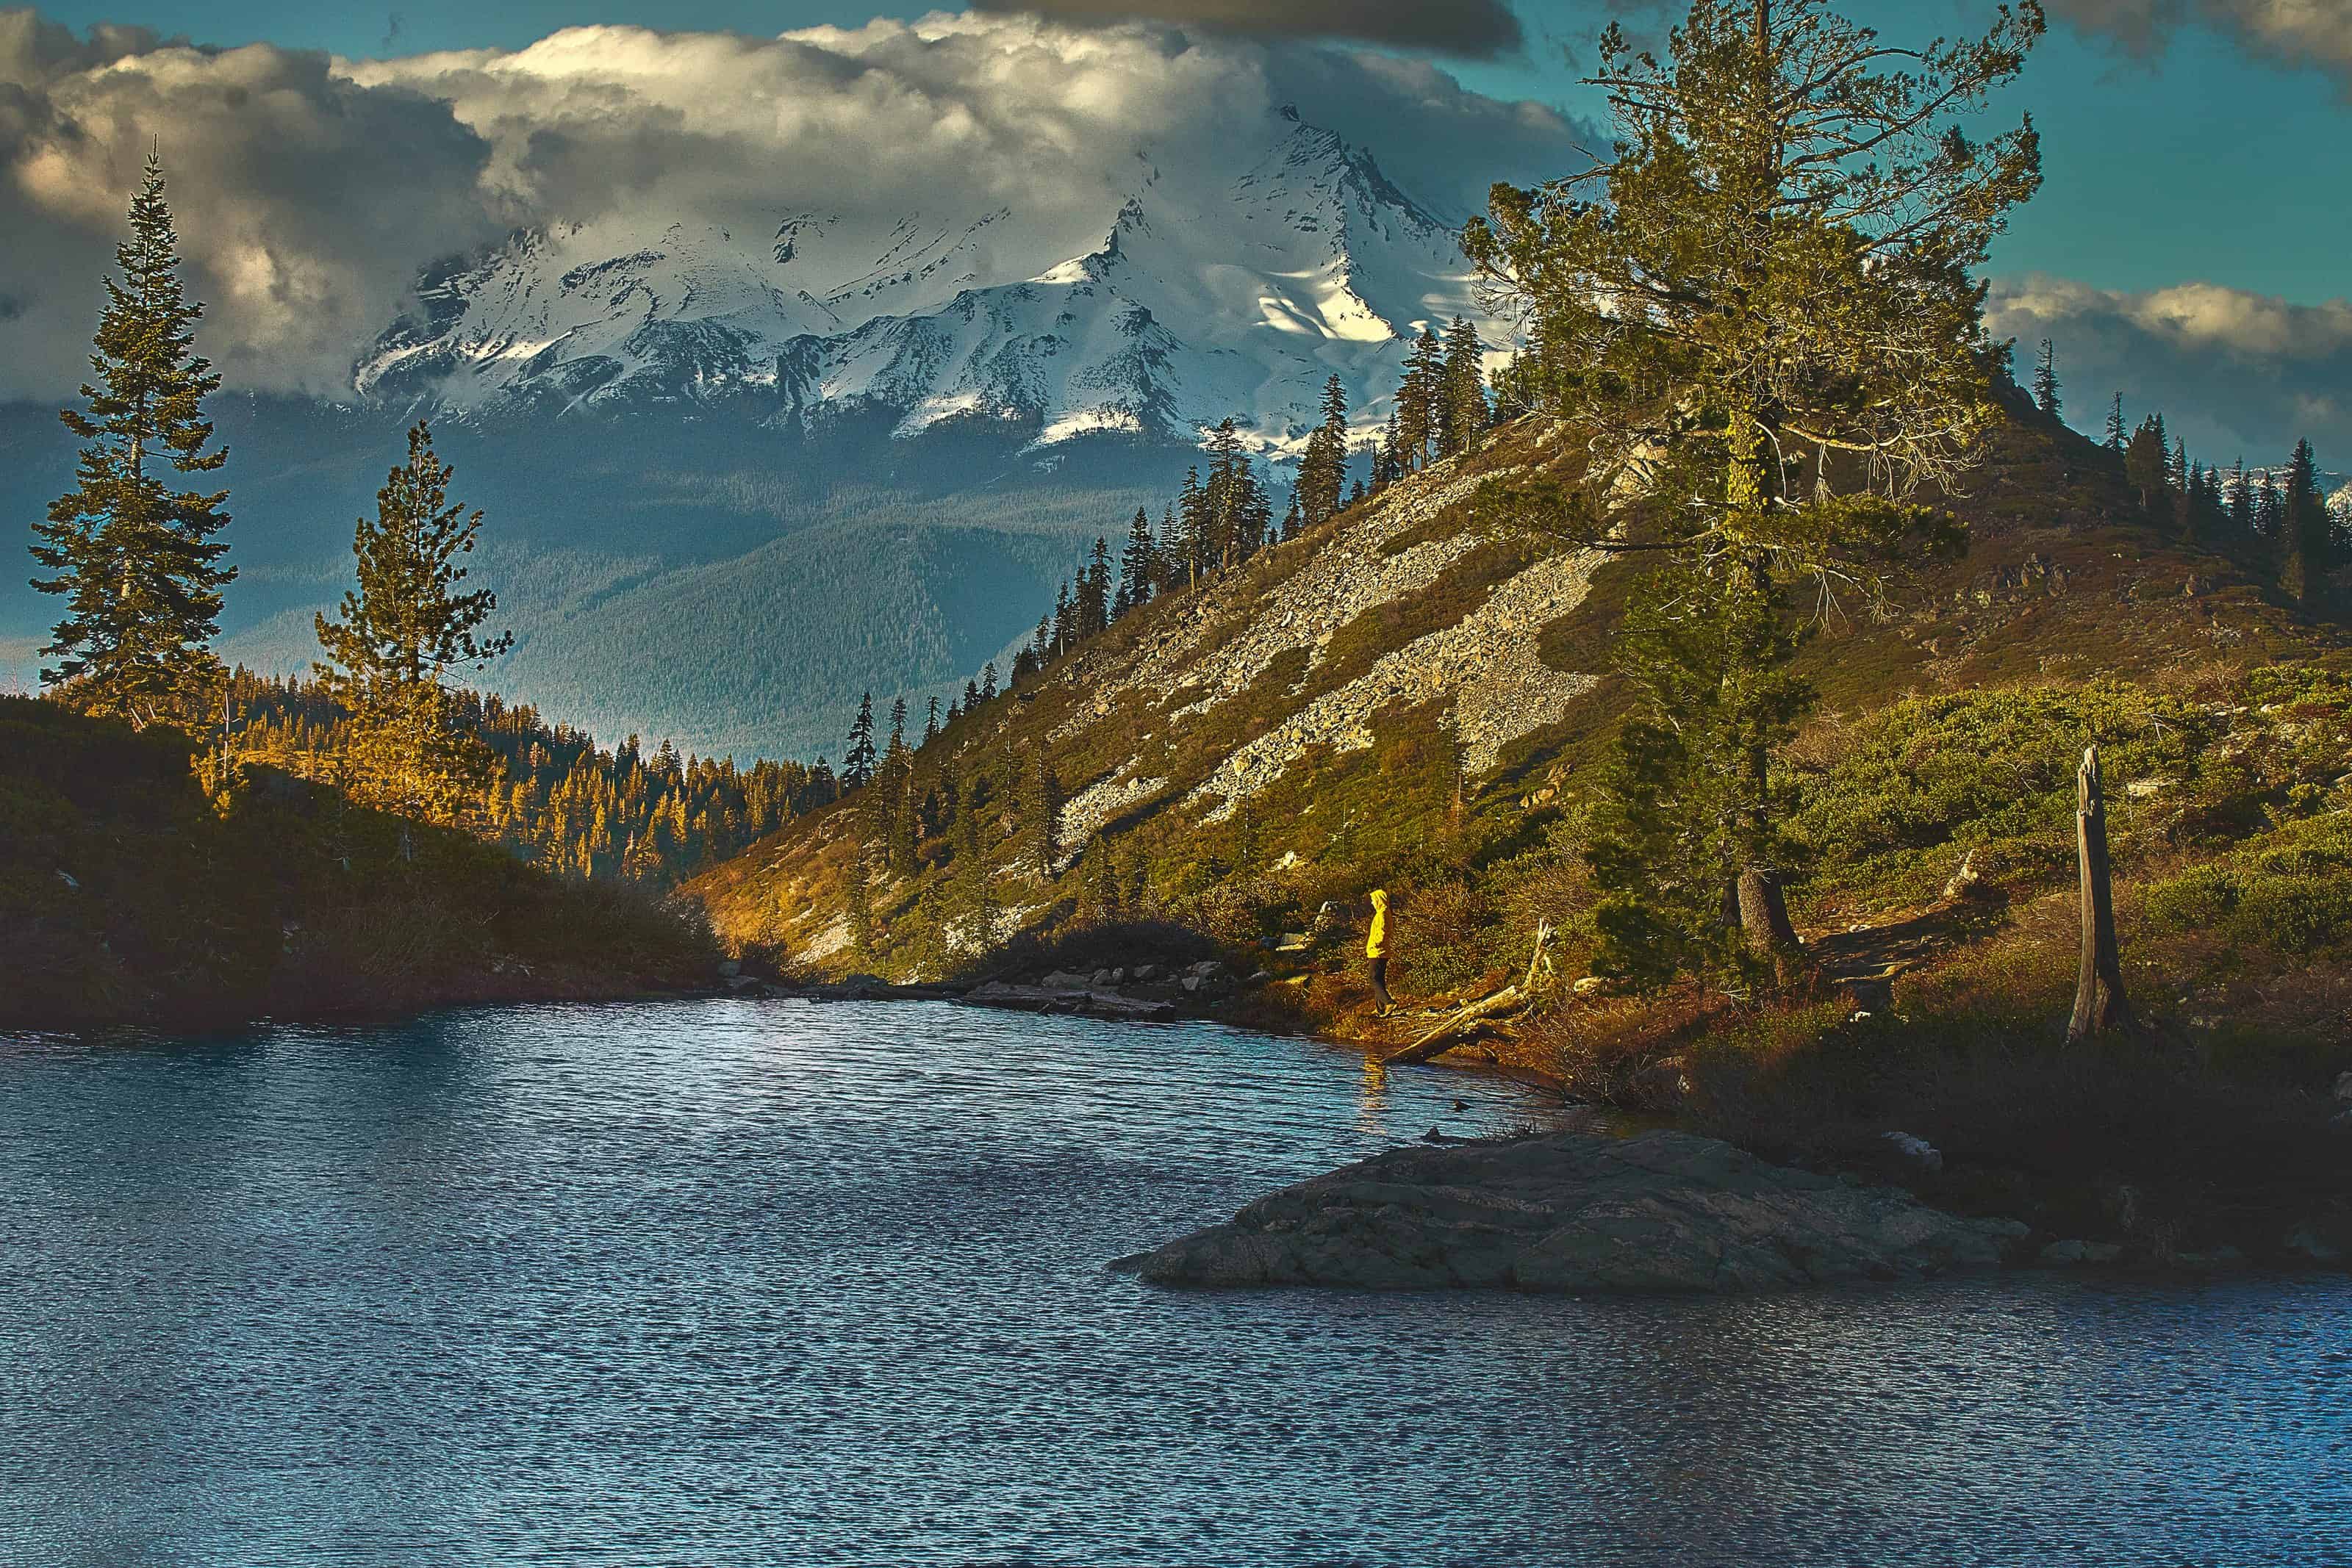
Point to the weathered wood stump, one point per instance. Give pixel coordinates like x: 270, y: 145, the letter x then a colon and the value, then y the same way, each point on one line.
x: 2099, y: 1000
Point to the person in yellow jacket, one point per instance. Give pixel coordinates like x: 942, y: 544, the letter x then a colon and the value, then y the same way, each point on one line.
x: 1376, y: 948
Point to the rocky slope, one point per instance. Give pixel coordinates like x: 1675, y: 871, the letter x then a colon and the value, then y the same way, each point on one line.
x: 1415, y: 676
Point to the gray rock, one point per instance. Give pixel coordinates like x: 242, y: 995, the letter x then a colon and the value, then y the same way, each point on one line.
x: 1578, y: 1211
x: 2344, y: 1086
x: 2304, y: 1242
x: 1069, y: 999
x: 2066, y: 1252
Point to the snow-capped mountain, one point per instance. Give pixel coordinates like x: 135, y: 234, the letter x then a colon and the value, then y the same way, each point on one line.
x: 1202, y: 294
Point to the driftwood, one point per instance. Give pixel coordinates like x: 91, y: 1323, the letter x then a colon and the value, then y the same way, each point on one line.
x: 2099, y: 1002
x: 1441, y: 1038
x: 1543, y: 937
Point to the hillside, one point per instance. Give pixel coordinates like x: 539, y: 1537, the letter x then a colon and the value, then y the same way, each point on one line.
x: 1414, y: 695
x: 129, y: 895
x: 1416, y: 679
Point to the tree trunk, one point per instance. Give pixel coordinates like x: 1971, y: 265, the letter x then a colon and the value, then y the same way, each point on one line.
x: 2099, y: 1002
x: 1764, y: 921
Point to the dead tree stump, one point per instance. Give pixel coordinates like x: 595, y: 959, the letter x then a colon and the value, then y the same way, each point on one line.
x: 2099, y: 1002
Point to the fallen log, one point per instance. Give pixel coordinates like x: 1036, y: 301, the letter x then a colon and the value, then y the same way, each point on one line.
x: 1438, y: 1039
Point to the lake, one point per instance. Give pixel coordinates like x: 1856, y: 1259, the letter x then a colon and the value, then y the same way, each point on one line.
x: 774, y: 1282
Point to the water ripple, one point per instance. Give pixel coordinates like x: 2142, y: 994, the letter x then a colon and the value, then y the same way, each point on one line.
x: 732, y: 1283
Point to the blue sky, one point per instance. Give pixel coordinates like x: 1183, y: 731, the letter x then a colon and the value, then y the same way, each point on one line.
x: 2199, y: 164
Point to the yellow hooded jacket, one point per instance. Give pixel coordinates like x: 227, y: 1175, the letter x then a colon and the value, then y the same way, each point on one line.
x: 1376, y: 942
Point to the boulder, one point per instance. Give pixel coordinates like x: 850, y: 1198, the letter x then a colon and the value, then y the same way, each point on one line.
x: 2344, y: 1086
x: 1662, y: 1211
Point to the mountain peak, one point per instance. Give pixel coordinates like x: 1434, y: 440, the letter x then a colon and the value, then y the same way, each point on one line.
x: 1228, y: 294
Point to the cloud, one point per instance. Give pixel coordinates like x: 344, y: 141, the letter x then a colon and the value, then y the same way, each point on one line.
x: 299, y: 192
x: 1483, y: 28
x: 311, y: 192
x: 2295, y: 33
x: 2233, y: 372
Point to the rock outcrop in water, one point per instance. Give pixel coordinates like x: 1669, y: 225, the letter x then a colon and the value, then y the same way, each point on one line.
x: 1579, y: 1211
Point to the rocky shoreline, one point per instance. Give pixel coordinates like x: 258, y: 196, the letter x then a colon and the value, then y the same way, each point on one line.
x: 2287, y: 1233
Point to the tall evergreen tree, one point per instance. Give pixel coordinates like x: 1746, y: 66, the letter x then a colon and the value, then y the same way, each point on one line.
x: 135, y: 560
x: 2147, y: 462
x: 1093, y: 606
x: 987, y: 682
x: 1673, y: 294
x: 2115, y: 441
x: 2045, y: 380
x: 1420, y: 401
x: 1045, y: 830
x: 2306, y: 533
x: 1323, y: 466
x: 1462, y: 406
x: 1138, y: 565
x: 931, y: 723
x: 403, y: 631
x: 857, y: 762
x: 2241, y: 497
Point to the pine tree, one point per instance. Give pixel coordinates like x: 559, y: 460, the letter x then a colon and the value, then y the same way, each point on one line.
x: 987, y: 682
x: 931, y: 723
x: 136, y: 561
x: 1138, y: 564
x: 1291, y: 521
x: 2045, y: 380
x: 857, y: 762
x: 1462, y: 406
x: 405, y: 630
x: 2148, y: 461
x: 2115, y: 424
x: 1046, y: 828
x: 1066, y: 621
x: 976, y: 885
x: 1672, y: 300
x: 1323, y: 467
x: 2240, y: 496
x: 1195, y: 530
x: 1093, y: 609
x: 2308, y: 531
x: 1420, y: 401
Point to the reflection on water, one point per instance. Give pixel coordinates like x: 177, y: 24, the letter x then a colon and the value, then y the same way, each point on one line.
x: 758, y: 1283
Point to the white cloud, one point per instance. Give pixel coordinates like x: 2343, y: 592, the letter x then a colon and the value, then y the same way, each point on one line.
x: 2297, y: 33
x: 310, y: 190
x: 2235, y: 372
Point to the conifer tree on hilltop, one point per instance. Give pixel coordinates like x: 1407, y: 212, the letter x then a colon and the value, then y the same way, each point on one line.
x: 136, y: 561
x: 405, y: 630
x: 2306, y: 530
x: 2114, y: 439
x: 2045, y: 380
x: 2147, y: 460
x: 1777, y: 156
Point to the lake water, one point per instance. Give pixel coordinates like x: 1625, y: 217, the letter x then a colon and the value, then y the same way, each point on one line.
x: 730, y: 1283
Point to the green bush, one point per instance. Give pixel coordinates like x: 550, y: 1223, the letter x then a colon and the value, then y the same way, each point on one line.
x: 2289, y: 890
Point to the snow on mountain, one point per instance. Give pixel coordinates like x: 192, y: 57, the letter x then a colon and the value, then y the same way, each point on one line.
x: 1207, y: 294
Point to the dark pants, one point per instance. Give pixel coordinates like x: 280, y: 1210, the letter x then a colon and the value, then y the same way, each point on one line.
x: 1381, y: 980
